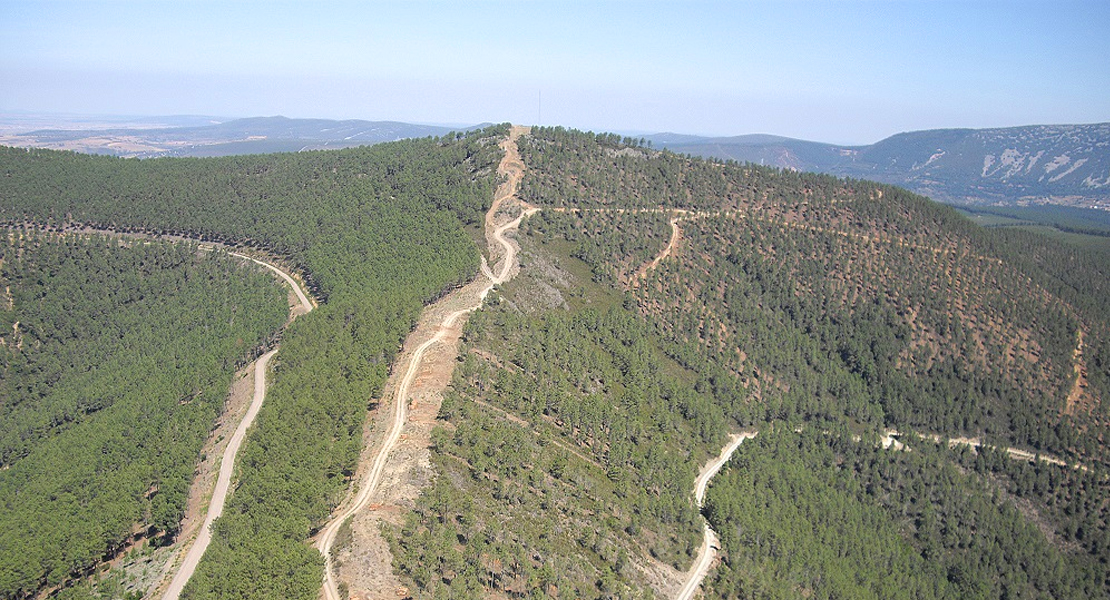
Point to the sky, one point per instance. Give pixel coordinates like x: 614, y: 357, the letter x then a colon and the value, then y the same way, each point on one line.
x: 837, y: 71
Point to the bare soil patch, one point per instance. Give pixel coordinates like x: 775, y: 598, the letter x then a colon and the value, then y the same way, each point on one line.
x: 676, y: 236
x: 1079, y: 400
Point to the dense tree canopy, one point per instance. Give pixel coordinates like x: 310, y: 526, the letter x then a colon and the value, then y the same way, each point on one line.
x: 823, y: 514
x: 375, y: 231
x: 115, y: 359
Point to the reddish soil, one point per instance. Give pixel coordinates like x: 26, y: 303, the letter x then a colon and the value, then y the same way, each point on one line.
x: 364, y: 565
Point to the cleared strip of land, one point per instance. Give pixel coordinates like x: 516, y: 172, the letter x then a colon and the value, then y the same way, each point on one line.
x: 447, y: 331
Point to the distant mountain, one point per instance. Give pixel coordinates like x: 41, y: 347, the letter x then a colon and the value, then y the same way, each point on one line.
x: 1058, y: 164
x: 240, y: 136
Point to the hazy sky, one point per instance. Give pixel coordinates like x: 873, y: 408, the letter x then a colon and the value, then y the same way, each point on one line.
x: 835, y: 71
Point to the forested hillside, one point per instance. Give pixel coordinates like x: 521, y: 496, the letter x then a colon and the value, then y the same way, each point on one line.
x: 663, y: 302
x: 115, y: 359
x: 375, y: 231
x: 576, y: 429
x: 832, y: 298
x: 834, y: 308
x: 824, y: 514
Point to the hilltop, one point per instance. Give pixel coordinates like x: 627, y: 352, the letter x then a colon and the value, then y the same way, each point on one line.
x: 665, y: 302
x: 1039, y: 164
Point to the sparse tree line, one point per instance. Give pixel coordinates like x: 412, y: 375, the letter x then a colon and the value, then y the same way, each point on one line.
x: 848, y: 293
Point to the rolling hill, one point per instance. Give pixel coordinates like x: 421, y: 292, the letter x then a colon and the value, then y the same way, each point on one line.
x: 256, y: 135
x: 665, y: 301
x: 375, y: 231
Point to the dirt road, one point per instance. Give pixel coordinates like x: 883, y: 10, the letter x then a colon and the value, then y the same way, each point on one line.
x: 709, y: 543
x: 676, y: 235
x: 976, y: 443
x: 227, y: 462
x: 306, y: 304
x: 471, y: 297
x: 223, y: 483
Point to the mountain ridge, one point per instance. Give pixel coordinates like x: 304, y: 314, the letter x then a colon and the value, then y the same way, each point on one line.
x: 1033, y: 164
x: 1065, y: 164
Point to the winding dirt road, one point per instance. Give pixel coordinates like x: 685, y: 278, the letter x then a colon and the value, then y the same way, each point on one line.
x: 306, y: 304
x: 513, y: 168
x: 227, y: 461
x: 676, y: 235
x: 709, y: 544
x: 223, y: 483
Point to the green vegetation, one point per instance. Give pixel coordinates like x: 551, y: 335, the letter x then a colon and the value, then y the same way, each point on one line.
x: 1088, y: 229
x: 115, y: 359
x: 568, y: 437
x: 591, y: 387
x: 1093, y: 243
x: 1087, y: 221
x: 330, y: 213
x: 848, y: 304
x: 1070, y: 503
x: 833, y: 298
x: 822, y: 514
x: 376, y: 231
